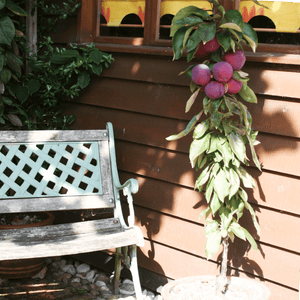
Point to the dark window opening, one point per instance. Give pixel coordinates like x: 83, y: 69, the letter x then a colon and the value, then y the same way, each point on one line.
x: 165, y: 26
x: 266, y: 33
x: 131, y: 26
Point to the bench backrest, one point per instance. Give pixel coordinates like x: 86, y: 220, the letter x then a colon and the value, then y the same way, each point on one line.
x: 55, y: 170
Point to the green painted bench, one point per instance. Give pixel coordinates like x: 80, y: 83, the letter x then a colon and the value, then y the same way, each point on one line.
x: 66, y: 170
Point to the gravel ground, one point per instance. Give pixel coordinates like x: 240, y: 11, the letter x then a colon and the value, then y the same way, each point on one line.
x: 68, y: 279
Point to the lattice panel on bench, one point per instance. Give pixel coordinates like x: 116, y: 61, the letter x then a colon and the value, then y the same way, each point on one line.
x: 50, y: 169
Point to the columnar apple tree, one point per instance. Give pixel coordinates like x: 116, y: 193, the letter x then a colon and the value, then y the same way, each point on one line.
x: 218, y: 149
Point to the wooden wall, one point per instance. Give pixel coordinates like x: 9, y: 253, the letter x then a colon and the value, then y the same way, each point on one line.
x: 144, y: 98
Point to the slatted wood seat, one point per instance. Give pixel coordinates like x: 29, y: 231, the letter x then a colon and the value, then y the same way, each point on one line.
x: 66, y: 170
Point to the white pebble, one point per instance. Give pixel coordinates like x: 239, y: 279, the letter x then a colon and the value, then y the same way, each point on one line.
x: 75, y: 280
x: 83, y: 268
x: 150, y: 295
x: 90, y: 275
x: 81, y: 276
x: 127, y: 281
x: 100, y: 283
x: 69, y: 269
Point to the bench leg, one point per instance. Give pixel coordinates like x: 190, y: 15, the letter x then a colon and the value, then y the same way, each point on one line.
x: 135, y: 272
x: 130, y: 262
x: 118, y: 269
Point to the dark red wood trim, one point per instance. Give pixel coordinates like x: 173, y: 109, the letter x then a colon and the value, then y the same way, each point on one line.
x: 85, y: 22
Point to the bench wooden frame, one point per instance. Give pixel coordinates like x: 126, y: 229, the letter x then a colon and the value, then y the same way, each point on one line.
x: 66, y: 170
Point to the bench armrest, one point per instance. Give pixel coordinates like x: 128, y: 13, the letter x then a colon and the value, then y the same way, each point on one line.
x: 130, y: 187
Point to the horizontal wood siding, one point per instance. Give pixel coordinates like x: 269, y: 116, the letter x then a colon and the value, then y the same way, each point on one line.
x: 144, y: 98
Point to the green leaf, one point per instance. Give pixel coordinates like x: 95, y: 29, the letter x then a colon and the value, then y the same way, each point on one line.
x: 191, y: 54
x: 33, y: 86
x: 207, y: 211
x: 193, y: 41
x: 64, y: 57
x: 191, y: 125
x: 206, y: 31
x: 14, y: 119
x: 97, y: 69
x: 224, y: 40
x: 234, y: 183
x: 211, y: 227
x: 221, y: 185
x: 234, y: 16
x: 213, y: 244
x: 253, y: 153
x: 250, y: 36
x: 201, y: 129
x: 2, y: 61
x: 16, y: 9
x: 178, y: 42
x: 7, y: 30
x: 2, y: 4
x: 13, y: 62
x: 237, y: 76
x: 250, y: 239
x: 84, y: 79
x: 186, y: 12
x: 246, y: 178
x: 7, y: 101
x: 226, y: 217
x: 214, y: 144
x: 226, y: 152
x: 198, y: 147
x: 258, y: 3
x: 231, y: 26
x: 248, y: 95
x: 5, y: 75
x: 237, y: 229
x: 203, y: 177
x: 181, y: 14
x: 190, y: 20
x: 22, y: 93
x: 237, y: 146
x: 215, y: 203
x: 96, y: 56
x: 191, y: 100
x: 209, y: 189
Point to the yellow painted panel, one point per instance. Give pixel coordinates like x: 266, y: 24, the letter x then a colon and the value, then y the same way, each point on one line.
x: 115, y: 10
x: 285, y: 15
x: 173, y: 6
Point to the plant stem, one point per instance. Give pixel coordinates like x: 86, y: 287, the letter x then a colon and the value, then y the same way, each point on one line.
x: 222, y: 282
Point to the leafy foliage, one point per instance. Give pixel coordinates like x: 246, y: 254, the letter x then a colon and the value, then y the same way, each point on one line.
x: 218, y: 149
x: 35, y: 101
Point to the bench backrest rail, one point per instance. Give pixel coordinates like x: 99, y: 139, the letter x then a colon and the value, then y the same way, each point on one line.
x: 55, y: 170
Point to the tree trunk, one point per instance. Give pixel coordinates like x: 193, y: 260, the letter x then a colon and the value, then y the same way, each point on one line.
x: 222, y: 282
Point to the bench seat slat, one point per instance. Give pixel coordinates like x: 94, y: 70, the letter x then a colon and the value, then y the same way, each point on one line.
x: 56, y: 203
x: 65, y: 239
x: 33, y: 136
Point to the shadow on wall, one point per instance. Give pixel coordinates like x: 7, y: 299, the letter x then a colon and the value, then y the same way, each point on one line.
x: 167, y: 207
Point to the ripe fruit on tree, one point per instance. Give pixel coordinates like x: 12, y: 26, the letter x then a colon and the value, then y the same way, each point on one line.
x: 212, y: 45
x: 214, y: 89
x: 234, y: 86
x: 236, y: 59
x: 201, y: 52
x: 222, y: 71
x: 201, y: 74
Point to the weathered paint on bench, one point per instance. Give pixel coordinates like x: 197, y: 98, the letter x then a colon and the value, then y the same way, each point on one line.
x: 66, y: 170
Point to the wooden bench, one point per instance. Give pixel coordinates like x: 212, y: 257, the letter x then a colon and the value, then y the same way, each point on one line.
x: 66, y: 170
